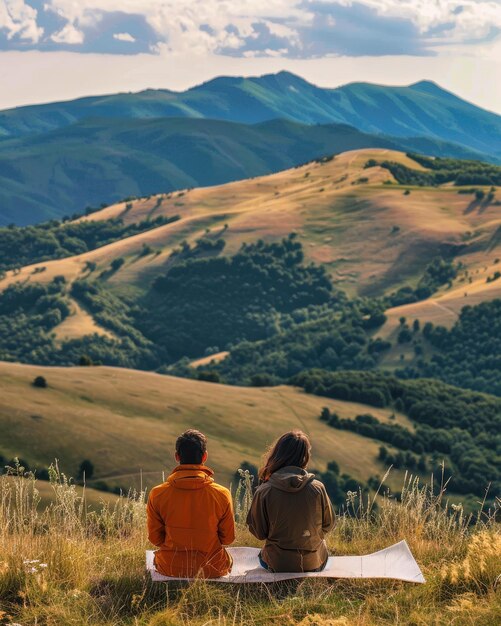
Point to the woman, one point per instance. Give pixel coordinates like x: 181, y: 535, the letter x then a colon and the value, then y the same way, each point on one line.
x: 291, y: 510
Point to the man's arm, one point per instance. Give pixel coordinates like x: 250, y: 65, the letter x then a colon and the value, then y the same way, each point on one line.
x: 226, y: 526
x: 257, y: 518
x: 156, y: 526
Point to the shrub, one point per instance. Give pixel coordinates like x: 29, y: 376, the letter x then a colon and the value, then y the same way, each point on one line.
x: 117, y: 263
x: 40, y: 382
x: 85, y: 470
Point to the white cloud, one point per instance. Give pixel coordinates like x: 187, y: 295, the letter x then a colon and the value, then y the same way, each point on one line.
x: 124, y: 37
x: 69, y: 34
x: 19, y: 19
x: 204, y: 26
x: 244, y: 26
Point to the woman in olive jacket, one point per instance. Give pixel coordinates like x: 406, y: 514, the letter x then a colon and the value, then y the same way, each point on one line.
x: 290, y: 509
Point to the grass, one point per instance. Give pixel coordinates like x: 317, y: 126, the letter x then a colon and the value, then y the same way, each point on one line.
x: 67, y: 566
x: 78, y: 324
x: 127, y: 421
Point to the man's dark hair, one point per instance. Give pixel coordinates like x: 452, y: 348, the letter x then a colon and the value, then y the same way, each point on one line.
x: 191, y: 446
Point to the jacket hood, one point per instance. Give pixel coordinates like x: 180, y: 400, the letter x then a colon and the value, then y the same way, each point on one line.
x: 290, y: 478
x: 191, y: 477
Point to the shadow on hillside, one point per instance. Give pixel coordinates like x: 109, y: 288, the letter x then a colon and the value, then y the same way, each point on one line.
x: 479, y: 206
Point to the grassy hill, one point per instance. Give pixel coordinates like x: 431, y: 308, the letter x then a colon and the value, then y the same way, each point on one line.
x: 371, y: 236
x: 126, y: 423
x: 421, y: 109
x: 97, y: 161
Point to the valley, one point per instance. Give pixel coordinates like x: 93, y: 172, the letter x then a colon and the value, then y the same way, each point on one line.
x: 250, y: 284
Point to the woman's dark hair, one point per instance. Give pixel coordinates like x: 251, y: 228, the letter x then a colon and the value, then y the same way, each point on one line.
x: 191, y: 447
x: 292, y: 448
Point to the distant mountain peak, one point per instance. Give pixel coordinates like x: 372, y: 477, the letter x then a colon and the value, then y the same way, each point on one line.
x: 426, y: 84
x: 431, y: 87
x: 282, y: 79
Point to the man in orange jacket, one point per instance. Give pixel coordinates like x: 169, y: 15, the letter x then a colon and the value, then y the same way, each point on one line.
x: 190, y: 517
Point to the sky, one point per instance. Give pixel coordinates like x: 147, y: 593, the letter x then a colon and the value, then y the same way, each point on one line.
x: 62, y: 49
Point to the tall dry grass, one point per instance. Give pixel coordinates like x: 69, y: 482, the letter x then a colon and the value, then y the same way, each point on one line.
x: 68, y: 565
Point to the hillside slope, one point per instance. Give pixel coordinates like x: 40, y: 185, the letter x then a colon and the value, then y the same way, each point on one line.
x: 126, y: 422
x: 421, y: 109
x: 369, y: 235
x: 104, y: 160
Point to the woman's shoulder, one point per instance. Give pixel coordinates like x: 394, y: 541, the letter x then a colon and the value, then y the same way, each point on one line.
x: 317, y: 485
x: 263, y: 487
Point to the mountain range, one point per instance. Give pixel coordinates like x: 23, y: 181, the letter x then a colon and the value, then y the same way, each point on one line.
x: 58, y: 158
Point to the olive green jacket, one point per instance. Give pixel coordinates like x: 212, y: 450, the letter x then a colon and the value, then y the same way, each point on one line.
x: 292, y: 512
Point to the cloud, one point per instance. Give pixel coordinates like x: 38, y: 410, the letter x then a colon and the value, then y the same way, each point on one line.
x: 358, y: 29
x: 69, y: 35
x: 288, y: 28
x: 124, y: 37
x: 18, y: 21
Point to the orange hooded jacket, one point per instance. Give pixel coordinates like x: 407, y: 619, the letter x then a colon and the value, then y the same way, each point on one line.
x: 190, y: 519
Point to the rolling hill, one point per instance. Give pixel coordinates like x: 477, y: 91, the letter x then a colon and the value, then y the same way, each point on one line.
x: 421, y: 109
x: 101, y: 161
x: 126, y: 423
x: 369, y: 235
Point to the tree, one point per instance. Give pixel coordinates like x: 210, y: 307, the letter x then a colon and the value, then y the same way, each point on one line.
x: 208, y: 376
x: 86, y: 470
x: 117, y: 263
x: 39, y: 382
x: 421, y: 465
x: 404, y: 336
x: 325, y: 415
x: 332, y: 466
x: 383, y: 453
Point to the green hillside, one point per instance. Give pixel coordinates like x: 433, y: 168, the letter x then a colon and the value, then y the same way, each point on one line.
x: 105, y: 160
x: 421, y: 109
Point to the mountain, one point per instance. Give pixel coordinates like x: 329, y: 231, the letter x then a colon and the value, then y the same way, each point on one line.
x: 98, y: 161
x: 421, y: 109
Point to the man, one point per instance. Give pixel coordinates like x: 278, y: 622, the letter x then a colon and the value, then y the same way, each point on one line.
x: 190, y: 517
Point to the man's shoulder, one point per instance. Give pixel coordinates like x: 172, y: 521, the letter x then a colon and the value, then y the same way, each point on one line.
x: 220, y: 491
x: 158, y: 489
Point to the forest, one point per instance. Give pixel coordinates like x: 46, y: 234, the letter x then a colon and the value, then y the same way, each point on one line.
x: 443, y: 170
x: 461, y: 425
x: 25, y: 245
x: 334, y: 336
x: 469, y: 354
x: 219, y: 301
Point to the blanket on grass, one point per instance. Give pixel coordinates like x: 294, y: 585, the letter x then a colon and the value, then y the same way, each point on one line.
x: 394, y: 562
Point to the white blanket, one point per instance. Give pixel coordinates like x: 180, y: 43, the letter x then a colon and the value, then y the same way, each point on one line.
x: 394, y: 562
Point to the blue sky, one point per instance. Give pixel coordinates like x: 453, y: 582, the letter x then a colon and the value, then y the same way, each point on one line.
x: 52, y: 49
